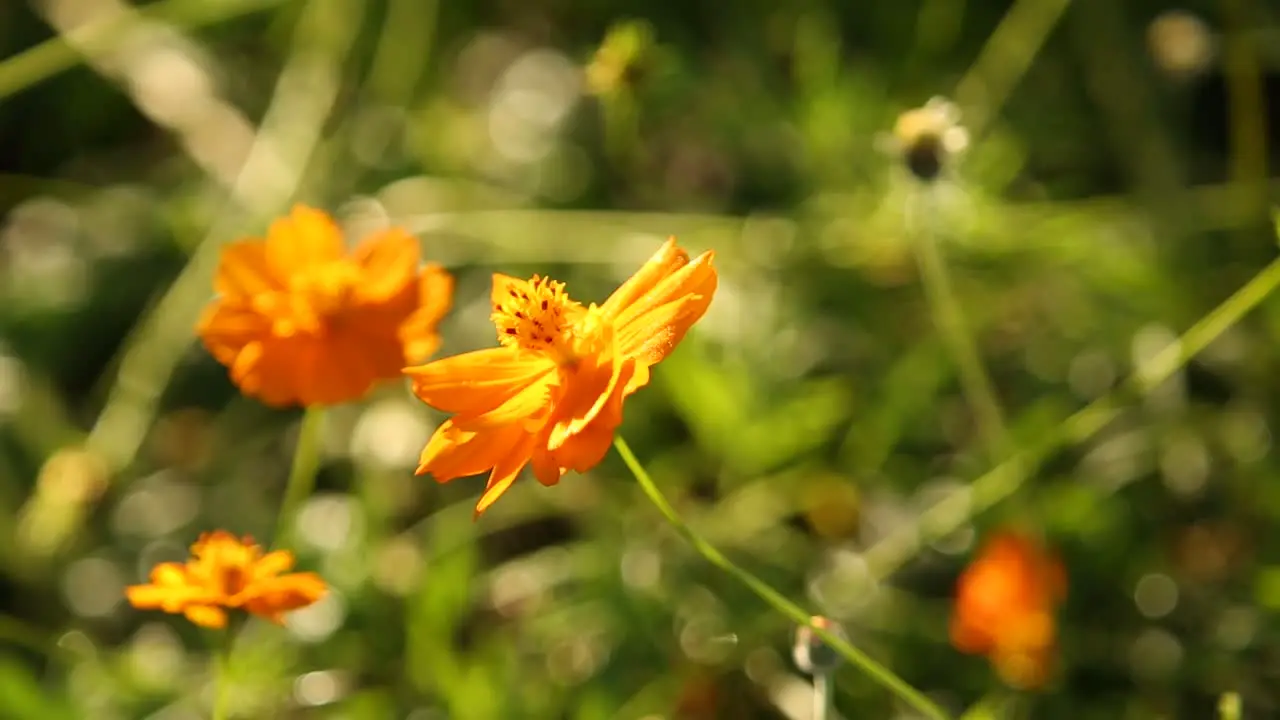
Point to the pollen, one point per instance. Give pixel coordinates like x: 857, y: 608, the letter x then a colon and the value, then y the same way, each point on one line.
x: 535, y: 314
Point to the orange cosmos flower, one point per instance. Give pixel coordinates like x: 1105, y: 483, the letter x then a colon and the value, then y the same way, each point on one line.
x: 551, y: 394
x: 227, y: 574
x: 1004, y: 608
x: 300, y: 321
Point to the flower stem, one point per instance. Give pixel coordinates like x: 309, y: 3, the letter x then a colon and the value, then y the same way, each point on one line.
x: 873, y: 669
x: 822, y: 696
x: 223, y: 678
x: 302, y: 476
x: 949, y: 319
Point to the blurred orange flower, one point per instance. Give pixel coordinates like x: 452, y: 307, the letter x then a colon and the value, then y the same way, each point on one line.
x: 1005, y: 607
x: 300, y: 321
x: 226, y: 573
x: 551, y: 394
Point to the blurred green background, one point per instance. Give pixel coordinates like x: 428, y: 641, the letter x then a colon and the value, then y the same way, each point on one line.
x: 1115, y: 189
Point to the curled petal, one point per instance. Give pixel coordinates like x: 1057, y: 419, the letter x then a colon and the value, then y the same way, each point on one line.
x: 668, y: 259
x: 649, y: 329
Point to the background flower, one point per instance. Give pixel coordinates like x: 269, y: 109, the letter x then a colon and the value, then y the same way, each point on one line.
x: 300, y: 321
x: 226, y: 573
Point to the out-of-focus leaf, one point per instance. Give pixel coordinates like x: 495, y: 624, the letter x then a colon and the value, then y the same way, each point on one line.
x: 23, y: 696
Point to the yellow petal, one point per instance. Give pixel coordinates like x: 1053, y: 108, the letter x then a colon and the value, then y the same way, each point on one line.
x: 651, y: 327
x: 586, y: 395
x: 209, y: 616
x: 504, y: 474
x: 272, y: 564
x: 668, y: 259
x: 476, y: 382
x: 453, y: 453
x: 302, y: 241
x: 243, y: 271
x: 418, y: 333
x: 388, y: 261
x: 528, y: 405
x: 272, y: 597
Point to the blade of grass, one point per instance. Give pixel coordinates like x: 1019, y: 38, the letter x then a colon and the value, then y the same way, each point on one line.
x: 1002, y: 481
x: 57, y: 55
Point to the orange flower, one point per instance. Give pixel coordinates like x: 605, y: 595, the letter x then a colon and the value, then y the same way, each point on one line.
x: 551, y: 394
x: 301, y: 321
x: 227, y: 574
x: 1004, y: 608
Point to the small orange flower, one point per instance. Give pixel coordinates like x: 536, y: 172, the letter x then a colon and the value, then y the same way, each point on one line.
x: 226, y: 573
x: 300, y: 321
x: 551, y: 394
x: 1005, y: 606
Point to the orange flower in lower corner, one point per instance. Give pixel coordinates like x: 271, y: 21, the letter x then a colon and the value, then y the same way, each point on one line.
x: 1005, y: 605
x: 226, y: 573
x: 551, y: 394
x: 300, y: 321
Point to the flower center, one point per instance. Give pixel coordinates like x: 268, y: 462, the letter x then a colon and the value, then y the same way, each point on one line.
x: 534, y: 315
x: 327, y: 288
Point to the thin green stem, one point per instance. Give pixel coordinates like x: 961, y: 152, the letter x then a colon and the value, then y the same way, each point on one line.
x: 222, y: 679
x: 949, y: 318
x: 952, y: 512
x: 302, y: 476
x: 764, y: 591
x: 822, y: 696
x: 1248, y: 107
x: 1005, y: 59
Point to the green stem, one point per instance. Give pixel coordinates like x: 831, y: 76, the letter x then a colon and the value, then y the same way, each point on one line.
x: 873, y: 669
x: 952, y: 512
x: 302, y: 476
x: 1005, y: 59
x: 823, y: 697
x: 949, y: 319
x: 222, y: 680
x: 1248, y: 107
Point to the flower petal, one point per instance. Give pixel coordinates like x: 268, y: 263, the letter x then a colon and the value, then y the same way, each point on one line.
x: 452, y: 452
x: 528, y: 407
x: 668, y: 259
x: 209, y: 616
x: 270, y: 598
x: 272, y: 564
x: 243, y: 271
x: 306, y: 238
x: 225, y: 329
x: 505, y: 473
x: 418, y: 333
x: 388, y: 262
x: 650, y: 328
x: 586, y: 394
x: 476, y: 382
